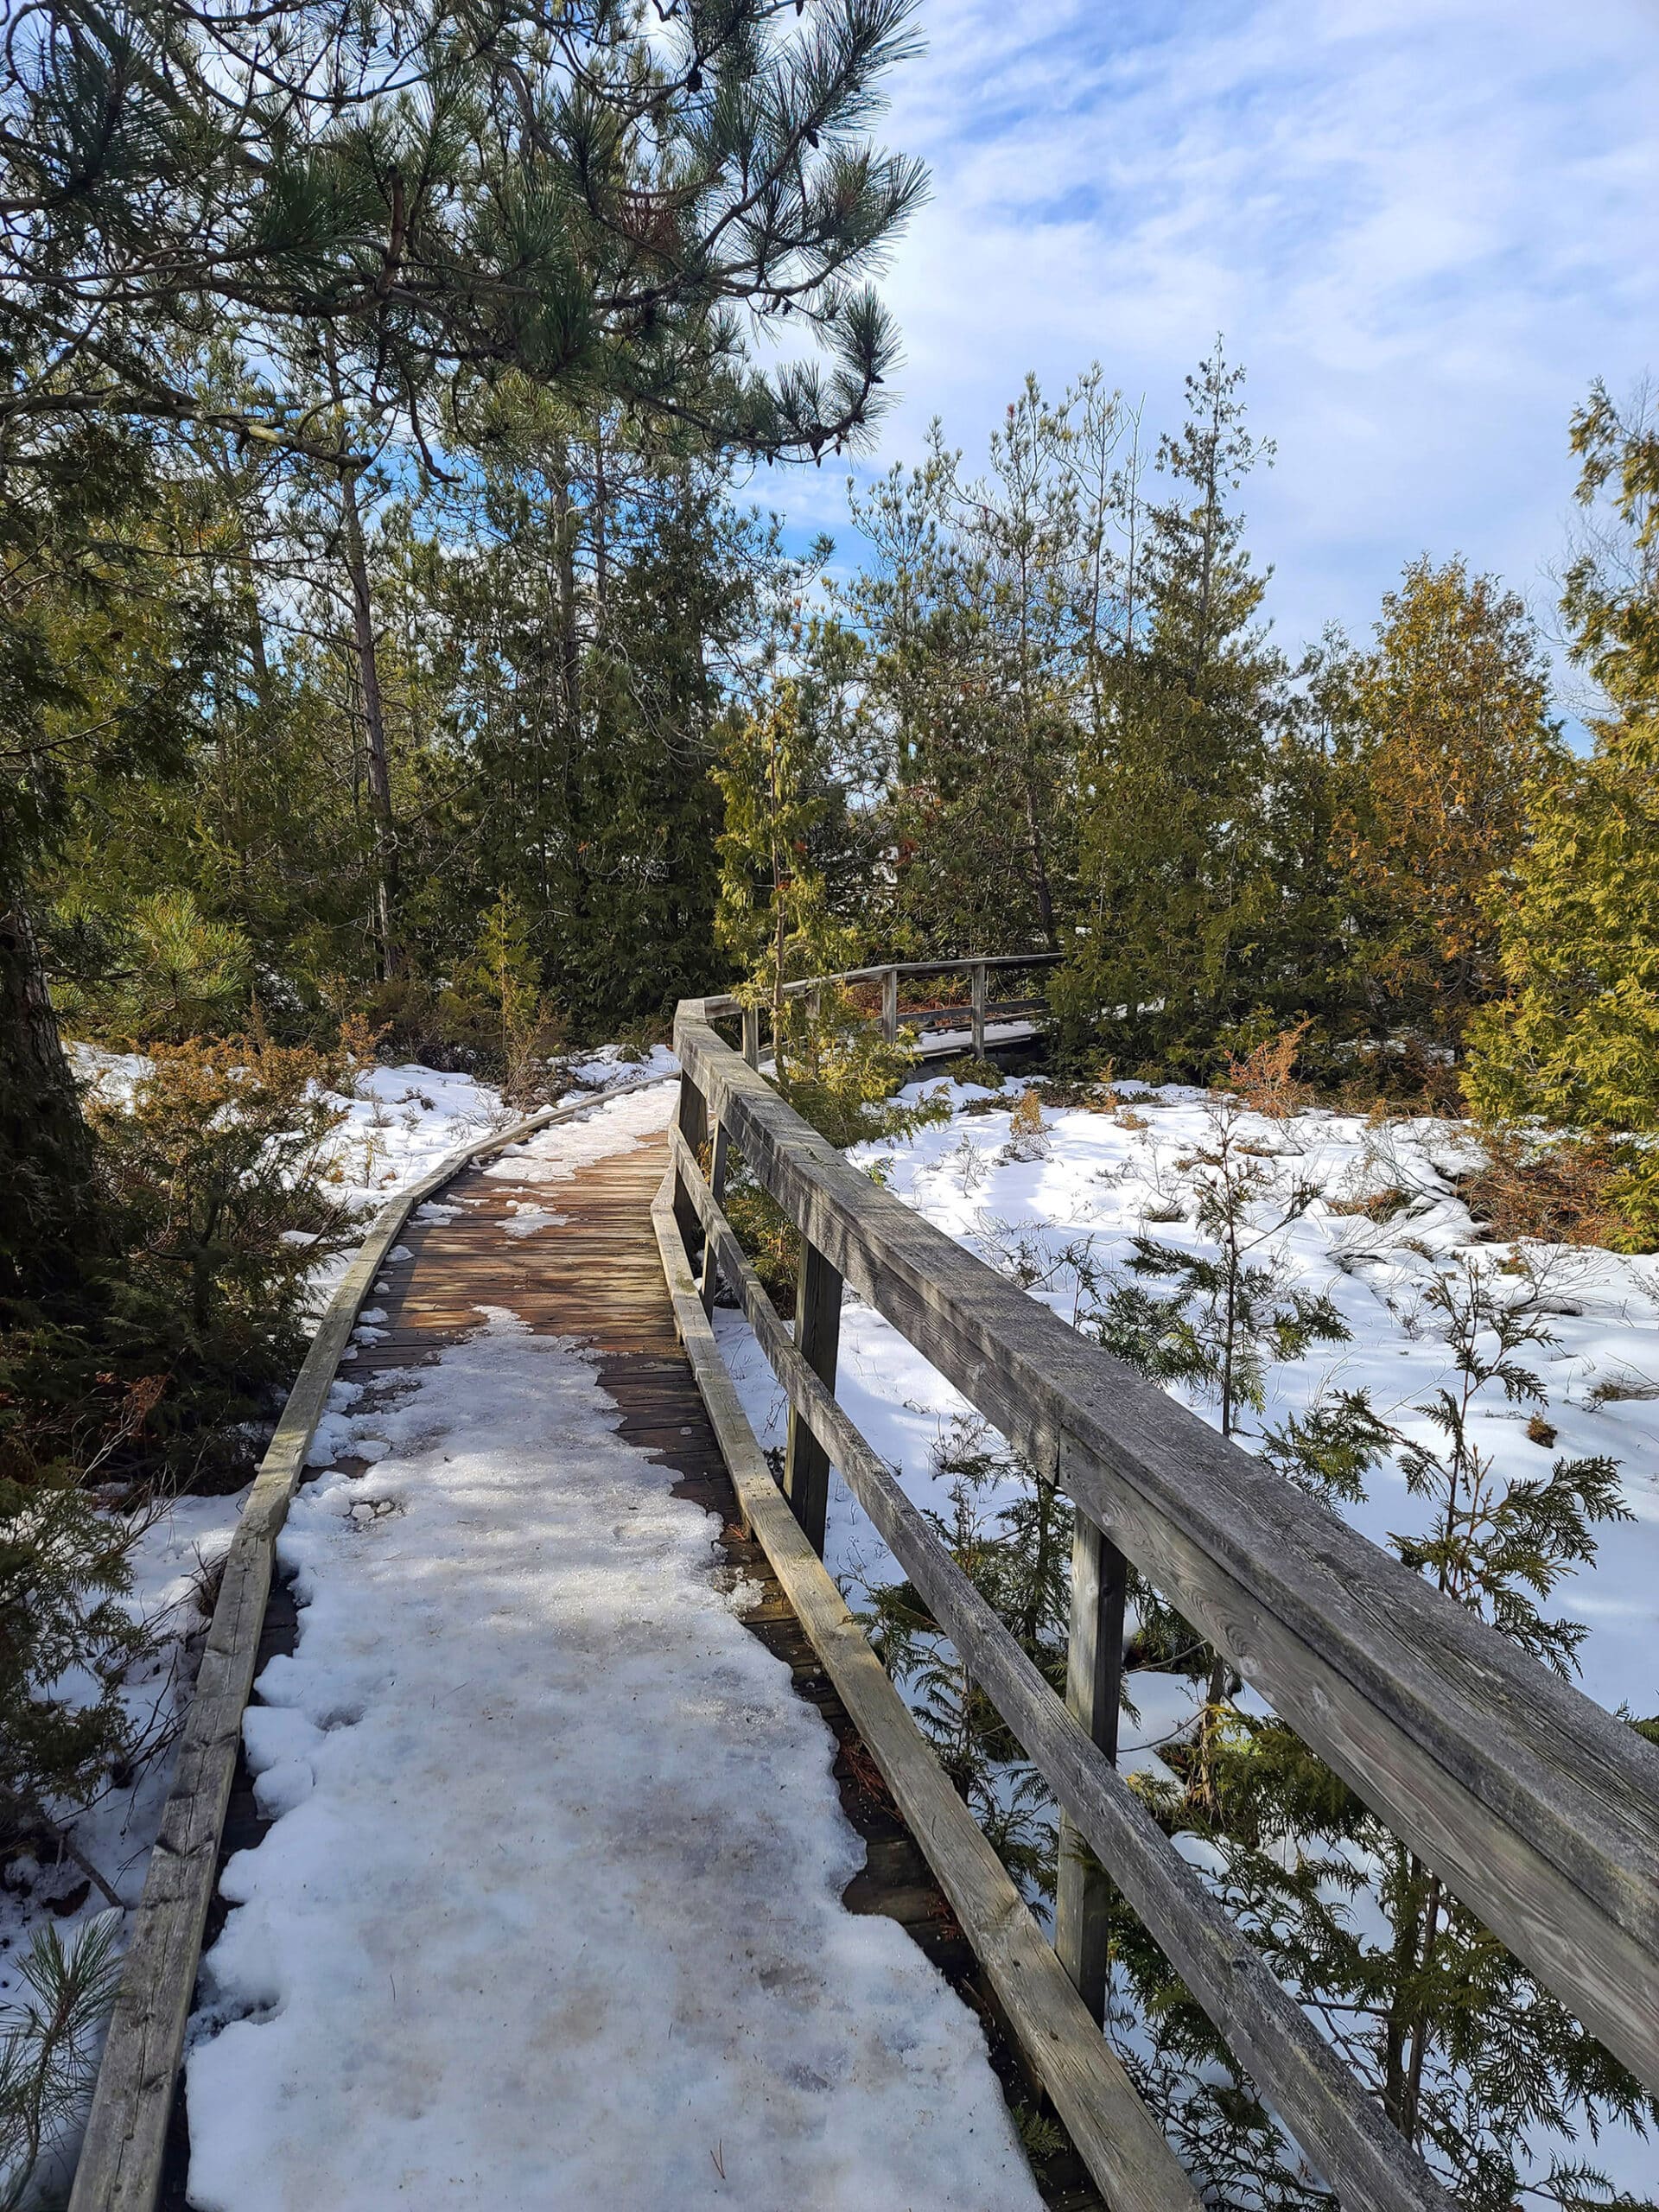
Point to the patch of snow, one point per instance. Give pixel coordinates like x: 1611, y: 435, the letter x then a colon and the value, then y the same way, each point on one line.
x: 175, y: 1548
x: 527, y: 1218
x: 550, y: 1911
x: 610, y: 1065
x: 1104, y: 1178
x: 555, y: 1154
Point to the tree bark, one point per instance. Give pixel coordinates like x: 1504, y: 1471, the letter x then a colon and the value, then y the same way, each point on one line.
x: 45, y: 1145
x: 568, y: 523
x: 374, y: 726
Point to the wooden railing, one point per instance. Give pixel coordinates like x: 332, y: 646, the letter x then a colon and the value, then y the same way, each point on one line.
x: 978, y: 1013
x: 1535, y: 1807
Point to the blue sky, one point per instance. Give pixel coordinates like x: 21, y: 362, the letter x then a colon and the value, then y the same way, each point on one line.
x: 1424, y: 226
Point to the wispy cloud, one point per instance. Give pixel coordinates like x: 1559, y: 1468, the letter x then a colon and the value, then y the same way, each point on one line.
x: 1423, y: 225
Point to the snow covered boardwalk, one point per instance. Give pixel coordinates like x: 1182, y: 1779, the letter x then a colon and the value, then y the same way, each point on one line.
x: 549, y: 1909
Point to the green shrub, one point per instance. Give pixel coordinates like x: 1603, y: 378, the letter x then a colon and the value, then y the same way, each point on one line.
x: 48, y: 2045
x: 217, y: 1172
x: 172, y: 974
x: 841, y: 1076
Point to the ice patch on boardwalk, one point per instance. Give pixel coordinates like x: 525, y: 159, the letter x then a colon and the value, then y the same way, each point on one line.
x: 549, y: 1916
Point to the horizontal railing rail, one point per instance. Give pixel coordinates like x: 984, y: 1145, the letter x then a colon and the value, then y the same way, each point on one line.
x: 982, y: 1011
x: 1535, y: 1807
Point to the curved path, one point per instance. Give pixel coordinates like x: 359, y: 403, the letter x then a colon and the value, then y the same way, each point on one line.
x: 538, y: 1900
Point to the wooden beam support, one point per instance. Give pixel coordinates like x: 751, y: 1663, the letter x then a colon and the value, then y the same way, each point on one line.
x: 1093, y: 1682
x: 890, y: 1005
x: 717, y: 1185
x: 751, y: 1035
x: 694, y: 1127
x: 818, y: 1338
x: 978, y: 979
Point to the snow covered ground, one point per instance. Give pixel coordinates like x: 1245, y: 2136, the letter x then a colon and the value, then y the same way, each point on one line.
x: 549, y: 1913
x: 398, y: 1122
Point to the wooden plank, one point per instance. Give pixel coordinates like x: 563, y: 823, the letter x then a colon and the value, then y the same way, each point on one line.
x: 1346, y: 2135
x: 1094, y: 1682
x: 120, y: 2164
x: 818, y: 1334
x: 1060, y: 2045
x: 1538, y: 1808
x: 717, y: 1185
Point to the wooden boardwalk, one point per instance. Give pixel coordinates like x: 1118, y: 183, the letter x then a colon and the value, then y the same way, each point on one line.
x: 1536, y: 1808
x: 596, y: 1278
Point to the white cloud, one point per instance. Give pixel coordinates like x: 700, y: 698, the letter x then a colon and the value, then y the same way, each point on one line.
x: 1423, y: 225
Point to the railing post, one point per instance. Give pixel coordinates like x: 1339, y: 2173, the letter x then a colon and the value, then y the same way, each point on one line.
x: 711, y: 1282
x: 977, y: 972
x: 818, y: 1338
x: 1094, y: 1675
x: 694, y: 1127
x: 751, y: 1035
x: 890, y: 1005
x: 815, y: 1005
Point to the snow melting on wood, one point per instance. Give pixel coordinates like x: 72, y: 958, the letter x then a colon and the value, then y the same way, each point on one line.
x: 550, y: 1914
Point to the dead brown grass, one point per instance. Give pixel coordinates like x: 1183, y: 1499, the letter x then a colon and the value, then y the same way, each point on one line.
x: 1265, y: 1078
x: 1556, y: 1193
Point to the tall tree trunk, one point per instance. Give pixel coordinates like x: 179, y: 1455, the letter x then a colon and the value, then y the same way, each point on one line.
x: 569, y: 631
x: 374, y: 726
x: 1039, y: 864
x: 601, y: 545
x: 45, y: 1147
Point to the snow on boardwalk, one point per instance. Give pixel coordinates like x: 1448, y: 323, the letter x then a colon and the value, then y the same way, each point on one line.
x: 549, y: 1913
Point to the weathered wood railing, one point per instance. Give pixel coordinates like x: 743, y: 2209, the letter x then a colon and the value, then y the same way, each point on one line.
x: 978, y: 1013
x: 1535, y: 1807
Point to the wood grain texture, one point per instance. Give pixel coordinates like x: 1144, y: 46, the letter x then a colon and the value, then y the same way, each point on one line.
x: 817, y: 1337
x: 1347, y: 2137
x: 1538, y: 1808
x: 1094, y: 1682
x: 1061, y: 2045
x: 121, y: 2158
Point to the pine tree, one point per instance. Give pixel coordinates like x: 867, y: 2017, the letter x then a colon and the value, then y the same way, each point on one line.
x: 1176, y: 889
x: 388, y: 208
x: 972, y: 665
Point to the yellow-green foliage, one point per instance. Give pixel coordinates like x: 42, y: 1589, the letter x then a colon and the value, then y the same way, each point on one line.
x: 841, y: 1074
x: 1576, y: 1046
x: 844, y: 1076
x: 173, y: 973
x: 499, y: 994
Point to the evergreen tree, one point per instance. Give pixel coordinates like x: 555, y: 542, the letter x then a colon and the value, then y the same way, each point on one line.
x: 1576, y: 1045
x: 1452, y: 709
x: 388, y: 206
x: 1177, y: 895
